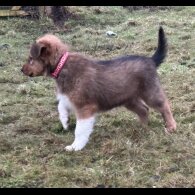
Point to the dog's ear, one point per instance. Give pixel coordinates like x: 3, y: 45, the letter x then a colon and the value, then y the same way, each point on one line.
x: 37, y: 49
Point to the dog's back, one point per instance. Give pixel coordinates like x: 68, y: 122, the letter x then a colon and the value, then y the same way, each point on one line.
x: 158, y: 57
x: 128, y: 76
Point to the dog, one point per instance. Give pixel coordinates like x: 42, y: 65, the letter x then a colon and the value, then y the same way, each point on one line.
x: 88, y: 87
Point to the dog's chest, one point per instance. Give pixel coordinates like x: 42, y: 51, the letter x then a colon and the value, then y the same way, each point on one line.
x: 65, y: 101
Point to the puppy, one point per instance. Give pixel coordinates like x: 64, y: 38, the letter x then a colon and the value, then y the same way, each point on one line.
x: 88, y: 87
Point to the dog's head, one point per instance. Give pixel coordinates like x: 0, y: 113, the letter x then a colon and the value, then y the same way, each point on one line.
x: 44, y: 55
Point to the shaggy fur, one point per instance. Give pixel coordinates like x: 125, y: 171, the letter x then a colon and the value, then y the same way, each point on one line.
x: 88, y: 86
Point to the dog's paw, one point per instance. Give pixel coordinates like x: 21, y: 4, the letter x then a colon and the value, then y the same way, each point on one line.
x: 73, y: 148
x: 69, y: 148
x: 170, y: 128
x: 76, y: 146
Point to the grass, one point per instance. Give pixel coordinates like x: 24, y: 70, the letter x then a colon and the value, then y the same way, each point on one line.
x: 120, y: 153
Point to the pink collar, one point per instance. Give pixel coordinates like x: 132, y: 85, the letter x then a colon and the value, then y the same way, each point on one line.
x: 60, y: 65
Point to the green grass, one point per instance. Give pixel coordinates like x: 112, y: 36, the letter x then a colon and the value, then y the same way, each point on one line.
x: 120, y: 152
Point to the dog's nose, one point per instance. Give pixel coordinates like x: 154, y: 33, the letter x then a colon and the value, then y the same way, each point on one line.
x: 21, y: 69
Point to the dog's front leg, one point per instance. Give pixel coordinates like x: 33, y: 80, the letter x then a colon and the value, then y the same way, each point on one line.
x: 84, y: 127
x: 63, y: 115
x: 63, y: 109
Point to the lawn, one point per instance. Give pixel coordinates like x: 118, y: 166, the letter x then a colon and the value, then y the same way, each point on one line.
x: 120, y: 152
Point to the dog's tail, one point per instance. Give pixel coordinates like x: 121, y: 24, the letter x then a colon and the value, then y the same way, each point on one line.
x: 161, y: 50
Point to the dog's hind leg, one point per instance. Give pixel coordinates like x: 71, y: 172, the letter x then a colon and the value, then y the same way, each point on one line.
x: 140, y: 108
x: 155, y: 97
x: 164, y: 108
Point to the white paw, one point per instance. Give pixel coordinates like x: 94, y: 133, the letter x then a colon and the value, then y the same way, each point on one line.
x: 76, y: 146
x: 69, y: 148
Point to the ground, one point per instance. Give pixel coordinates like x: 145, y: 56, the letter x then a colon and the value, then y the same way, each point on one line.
x: 120, y: 152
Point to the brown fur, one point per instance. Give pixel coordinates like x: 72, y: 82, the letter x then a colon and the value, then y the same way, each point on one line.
x: 95, y: 86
